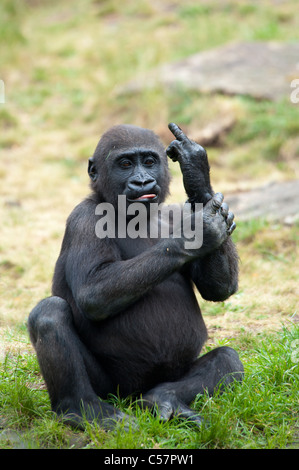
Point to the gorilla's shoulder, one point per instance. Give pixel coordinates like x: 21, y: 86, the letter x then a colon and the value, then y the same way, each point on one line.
x: 83, y: 214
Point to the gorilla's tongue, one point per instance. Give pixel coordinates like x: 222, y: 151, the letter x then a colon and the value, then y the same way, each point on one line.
x: 145, y: 196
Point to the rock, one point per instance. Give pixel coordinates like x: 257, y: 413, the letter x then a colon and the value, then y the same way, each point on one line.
x: 13, y: 439
x: 275, y: 201
x: 214, y: 131
x: 263, y: 70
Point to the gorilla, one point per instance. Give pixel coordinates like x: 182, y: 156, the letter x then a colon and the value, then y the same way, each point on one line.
x: 123, y: 317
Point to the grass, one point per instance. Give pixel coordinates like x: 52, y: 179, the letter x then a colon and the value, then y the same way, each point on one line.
x: 261, y: 412
x: 62, y: 64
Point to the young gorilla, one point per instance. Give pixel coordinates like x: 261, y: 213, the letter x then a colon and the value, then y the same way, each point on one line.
x: 123, y: 318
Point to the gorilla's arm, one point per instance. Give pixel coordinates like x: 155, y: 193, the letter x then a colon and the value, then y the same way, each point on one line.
x: 102, y: 284
x: 194, y: 164
x: 215, y: 275
x: 106, y: 285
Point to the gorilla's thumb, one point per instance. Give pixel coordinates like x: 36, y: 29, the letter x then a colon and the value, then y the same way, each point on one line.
x: 215, y: 202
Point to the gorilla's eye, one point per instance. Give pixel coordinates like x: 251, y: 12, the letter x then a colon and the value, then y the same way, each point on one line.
x: 149, y: 161
x: 125, y: 163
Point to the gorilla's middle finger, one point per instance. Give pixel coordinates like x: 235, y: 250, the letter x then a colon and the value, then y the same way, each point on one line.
x: 230, y: 218
x: 224, y: 209
x: 231, y: 228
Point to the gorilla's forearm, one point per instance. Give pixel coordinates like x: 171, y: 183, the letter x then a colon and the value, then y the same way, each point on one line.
x: 216, y: 275
x: 116, y: 285
x: 194, y: 165
x: 198, y: 188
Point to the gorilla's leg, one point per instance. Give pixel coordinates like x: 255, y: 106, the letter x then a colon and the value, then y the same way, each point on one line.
x: 212, y: 371
x: 72, y: 375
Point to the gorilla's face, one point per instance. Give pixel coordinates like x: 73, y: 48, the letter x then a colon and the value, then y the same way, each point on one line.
x: 129, y: 161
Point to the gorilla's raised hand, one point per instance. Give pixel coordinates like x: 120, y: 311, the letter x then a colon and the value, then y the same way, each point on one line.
x: 194, y: 164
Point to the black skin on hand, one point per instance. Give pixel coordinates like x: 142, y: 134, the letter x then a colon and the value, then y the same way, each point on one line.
x: 195, y: 168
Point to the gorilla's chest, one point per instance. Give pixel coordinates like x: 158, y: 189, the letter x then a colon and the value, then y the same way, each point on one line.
x: 130, y: 247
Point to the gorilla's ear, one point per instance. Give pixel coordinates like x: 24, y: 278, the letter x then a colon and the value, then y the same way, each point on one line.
x: 92, y: 171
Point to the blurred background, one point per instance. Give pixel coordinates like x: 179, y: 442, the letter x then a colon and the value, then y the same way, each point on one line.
x: 66, y: 69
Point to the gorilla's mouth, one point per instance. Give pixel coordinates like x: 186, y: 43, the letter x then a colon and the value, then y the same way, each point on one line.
x: 144, y: 197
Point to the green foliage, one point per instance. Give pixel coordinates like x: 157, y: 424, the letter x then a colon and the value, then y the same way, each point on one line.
x: 248, y: 230
x: 260, y: 412
x: 10, y: 20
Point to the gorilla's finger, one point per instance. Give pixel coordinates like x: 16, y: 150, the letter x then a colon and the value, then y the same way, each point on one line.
x: 173, y: 151
x: 165, y: 411
x: 184, y: 412
x: 145, y: 403
x: 224, y: 209
x: 230, y: 218
x: 177, y: 131
x: 217, y: 201
x: 231, y: 228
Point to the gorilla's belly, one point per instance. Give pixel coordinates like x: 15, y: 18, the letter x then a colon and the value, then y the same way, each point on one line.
x: 159, y: 336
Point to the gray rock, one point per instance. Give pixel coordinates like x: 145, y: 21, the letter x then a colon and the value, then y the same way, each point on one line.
x: 275, y: 201
x: 263, y: 70
x: 13, y: 439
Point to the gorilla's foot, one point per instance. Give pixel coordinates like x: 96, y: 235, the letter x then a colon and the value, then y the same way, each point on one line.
x: 103, y: 414
x: 166, y: 406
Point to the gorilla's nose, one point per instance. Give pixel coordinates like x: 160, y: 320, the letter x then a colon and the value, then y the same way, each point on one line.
x: 142, y: 184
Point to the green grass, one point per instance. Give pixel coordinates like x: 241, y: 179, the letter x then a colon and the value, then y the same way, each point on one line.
x: 261, y: 412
